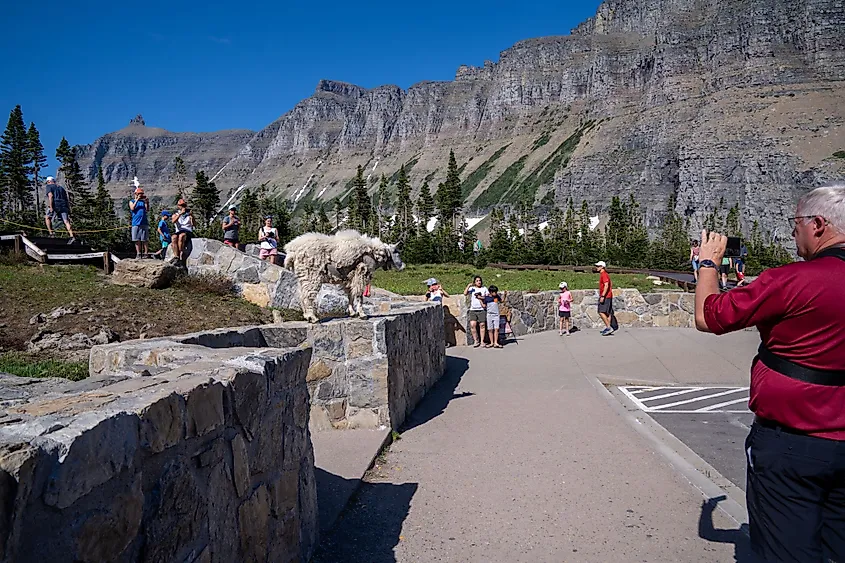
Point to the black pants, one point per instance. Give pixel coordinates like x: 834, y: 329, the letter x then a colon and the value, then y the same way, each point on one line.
x: 795, y: 496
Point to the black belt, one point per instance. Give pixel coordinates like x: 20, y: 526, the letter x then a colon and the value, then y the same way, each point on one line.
x: 772, y: 425
x: 833, y: 378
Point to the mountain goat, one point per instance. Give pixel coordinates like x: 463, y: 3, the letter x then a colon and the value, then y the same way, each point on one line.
x: 347, y: 258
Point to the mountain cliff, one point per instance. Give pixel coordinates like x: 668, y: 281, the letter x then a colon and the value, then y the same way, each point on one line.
x: 672, y: 100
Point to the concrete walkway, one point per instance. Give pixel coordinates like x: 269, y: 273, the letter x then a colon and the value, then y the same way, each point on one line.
x: 518, y: 455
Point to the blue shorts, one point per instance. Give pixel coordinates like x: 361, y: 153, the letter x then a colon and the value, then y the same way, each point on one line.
x: 695, y: 265
x: 165, y: 243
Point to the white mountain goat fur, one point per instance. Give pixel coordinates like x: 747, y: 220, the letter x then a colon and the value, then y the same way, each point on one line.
x: 347, y: 258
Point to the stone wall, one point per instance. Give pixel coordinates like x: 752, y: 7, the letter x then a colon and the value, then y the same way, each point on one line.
x: 537, y: 312
x: 363, y: 373
x: 202, y: 463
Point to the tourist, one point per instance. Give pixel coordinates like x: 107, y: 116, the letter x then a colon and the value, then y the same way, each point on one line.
x: 724, y: 270
x: 605, y: 298
x: 491, y: 304
x: 694, y: 251
x: 164, y: 236
x: 138, y: 208
x: 268, y: 237
x: 739, y: 265
x: 564, y: 307
x: 58, y: 205
x: 184, y: 222
x: 796, y: 447
x: 477, y: 315
x: 435, y: 291
x: 231, y: 228
x: 477, y: 247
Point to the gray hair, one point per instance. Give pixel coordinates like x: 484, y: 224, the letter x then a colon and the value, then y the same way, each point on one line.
x: 827, y: 202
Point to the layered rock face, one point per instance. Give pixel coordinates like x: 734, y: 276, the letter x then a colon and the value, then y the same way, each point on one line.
x: 697, y: 99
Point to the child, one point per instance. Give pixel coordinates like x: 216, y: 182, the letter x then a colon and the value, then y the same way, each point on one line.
x: 564, y: 302
x: 491, y: 303
x: 435, y: 292
x: 163, y: 234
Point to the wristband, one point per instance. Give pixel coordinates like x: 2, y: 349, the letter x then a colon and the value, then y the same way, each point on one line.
x: 708, y: 264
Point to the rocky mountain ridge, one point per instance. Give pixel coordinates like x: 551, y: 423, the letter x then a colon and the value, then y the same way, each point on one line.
x: 694, y: 100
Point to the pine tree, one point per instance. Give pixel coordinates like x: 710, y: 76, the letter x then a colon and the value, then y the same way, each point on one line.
x: 589, y: 240
x: 671, y: 249
x: 81, y: 200
x: 337, y: 212
x: 323, y: 224
x: 616, y: 232
x: 37, y: 161
x: 205, y: 199
x: 382, y: 203
x: 637, y: 245
x: 404, y: 205
x: 180, y: 178
x: 732, y: 222
x: 500, y: 239
x: 360, y: 207
x: 425, y: 207
x: 104, y: 219
x: 250, y: 216
x: 14, y: 166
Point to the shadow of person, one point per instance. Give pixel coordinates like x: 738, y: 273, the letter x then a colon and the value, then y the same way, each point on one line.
x: 435, y: 401
x: 739, y: 537
x: 369, y: 527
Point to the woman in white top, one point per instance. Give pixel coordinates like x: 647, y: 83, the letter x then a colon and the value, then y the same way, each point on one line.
x: 268, y: 236
x: 184, y: 222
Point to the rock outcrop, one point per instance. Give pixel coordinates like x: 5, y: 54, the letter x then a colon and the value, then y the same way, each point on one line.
x: 154, y: 274
x: 696, y: 99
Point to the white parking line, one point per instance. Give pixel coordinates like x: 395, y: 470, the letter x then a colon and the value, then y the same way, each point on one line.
x: 666, y: 395
x: 705, y: 402
x: 704, y: 398
x: 725, y: 404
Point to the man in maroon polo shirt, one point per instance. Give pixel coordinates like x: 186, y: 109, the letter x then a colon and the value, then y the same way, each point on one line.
x: 796, y: 448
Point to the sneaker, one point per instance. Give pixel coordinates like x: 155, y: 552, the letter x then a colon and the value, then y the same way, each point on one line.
x: 71, y: 240
x: 567, y: 333
x: 606, y: 331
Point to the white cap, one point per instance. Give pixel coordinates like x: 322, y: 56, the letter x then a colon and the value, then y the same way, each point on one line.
x: 50, y: 178
x: 563, y: 285
x: 601, y: 264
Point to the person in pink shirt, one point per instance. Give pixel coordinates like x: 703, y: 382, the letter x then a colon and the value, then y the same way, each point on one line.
x: 564, y: 306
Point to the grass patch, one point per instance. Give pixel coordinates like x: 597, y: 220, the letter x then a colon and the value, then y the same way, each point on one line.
x: 12, y: 258
x: 500, y: 185
x: 408, y: 167
x: 541, y: 141
x: 839, y: 154
x: 545, y: 172
x: 29, y: 289
x: 455, y: 277
x: 25, y: 365
x: 480, y: 173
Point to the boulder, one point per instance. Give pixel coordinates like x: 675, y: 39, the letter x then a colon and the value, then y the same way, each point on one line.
x: 154, y: 274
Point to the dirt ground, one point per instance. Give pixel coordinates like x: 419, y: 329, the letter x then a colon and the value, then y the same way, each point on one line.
x: 27, y: 290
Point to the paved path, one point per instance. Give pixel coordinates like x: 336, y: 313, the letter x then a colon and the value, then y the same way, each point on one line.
x: 519, y: 456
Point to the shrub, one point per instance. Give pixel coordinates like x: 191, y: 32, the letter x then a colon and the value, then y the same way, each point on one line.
x: 214, y: 284
x: 12, y: 258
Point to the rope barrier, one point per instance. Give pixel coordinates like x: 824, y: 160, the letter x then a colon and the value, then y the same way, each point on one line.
x: 75, y: 231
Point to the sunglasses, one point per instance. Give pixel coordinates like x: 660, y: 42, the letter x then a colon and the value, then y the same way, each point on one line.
x: 793, y: 221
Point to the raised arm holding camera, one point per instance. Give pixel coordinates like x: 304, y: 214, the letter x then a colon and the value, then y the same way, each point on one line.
x: 796, y: 447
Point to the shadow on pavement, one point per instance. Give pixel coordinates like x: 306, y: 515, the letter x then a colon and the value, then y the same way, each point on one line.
x: 436, y: 400
x: 370, y: 525
x: 739, y: 538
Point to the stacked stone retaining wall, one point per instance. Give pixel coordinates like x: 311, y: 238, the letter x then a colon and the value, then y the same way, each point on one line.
x: 210, y: 461
x: 363, y: 373
x: 537, y: 312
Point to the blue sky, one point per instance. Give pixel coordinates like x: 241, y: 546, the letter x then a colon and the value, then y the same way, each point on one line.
x: 82, y: 69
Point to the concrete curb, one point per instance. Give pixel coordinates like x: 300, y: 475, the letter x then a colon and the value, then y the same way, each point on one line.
x: 698, y: 472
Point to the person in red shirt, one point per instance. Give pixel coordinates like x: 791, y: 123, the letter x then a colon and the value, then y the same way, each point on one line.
x: 605, y: 298
x: 796, y: 448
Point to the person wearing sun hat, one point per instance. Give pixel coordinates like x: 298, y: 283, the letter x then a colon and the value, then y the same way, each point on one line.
x: 435, y: 292
x: 138, y: 208
x: 605, y: 297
